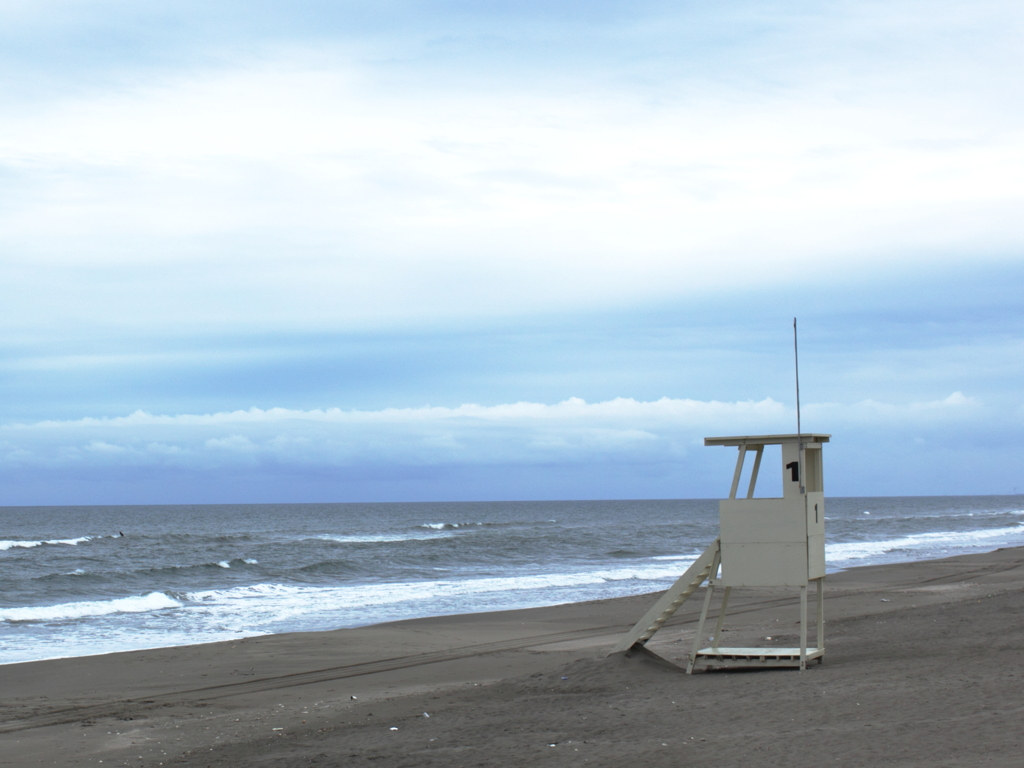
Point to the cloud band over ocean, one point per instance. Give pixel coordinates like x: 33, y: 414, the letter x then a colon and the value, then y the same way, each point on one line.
x: 571, y: 431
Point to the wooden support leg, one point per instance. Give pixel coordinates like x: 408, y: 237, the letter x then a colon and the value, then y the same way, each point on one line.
x: 821, y: 616
x: 700, y: 624
x: 721, y: 618
x: 803, y: 628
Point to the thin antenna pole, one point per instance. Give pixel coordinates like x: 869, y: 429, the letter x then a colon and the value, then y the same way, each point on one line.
x: 799, y: 438
x: 796, y: 360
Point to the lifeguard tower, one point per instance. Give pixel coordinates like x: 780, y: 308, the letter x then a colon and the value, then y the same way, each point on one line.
x: 764, y: 542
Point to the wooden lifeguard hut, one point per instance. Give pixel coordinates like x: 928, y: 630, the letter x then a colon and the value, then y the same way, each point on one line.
x: 763, y: 542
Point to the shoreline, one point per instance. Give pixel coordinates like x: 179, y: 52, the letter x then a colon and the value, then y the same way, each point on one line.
x: 430, y: 616
x: 894, y: 633
x: 254, y: 572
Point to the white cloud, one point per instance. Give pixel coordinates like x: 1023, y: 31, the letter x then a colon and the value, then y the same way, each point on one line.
x: 956, y: 407
x: 312, y: 184
x: 568, y: 432
x: 403, y: 177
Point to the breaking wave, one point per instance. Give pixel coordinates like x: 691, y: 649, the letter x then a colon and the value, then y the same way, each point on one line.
x: 848, y: 553
x: 154, y: 601
x: 5, y: 545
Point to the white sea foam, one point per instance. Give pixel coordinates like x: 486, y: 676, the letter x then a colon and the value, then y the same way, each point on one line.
x: 29, y: 649
x: 845, y: 553
x: 5, y: 545
x: 154, y: 601
x: 202, y: 614
x: 219, y: 564
x: 258, y: 604
x: 896, y: 515
x: 383, y: 537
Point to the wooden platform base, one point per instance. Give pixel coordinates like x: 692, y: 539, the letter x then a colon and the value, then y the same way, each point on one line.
x: 754, y: 657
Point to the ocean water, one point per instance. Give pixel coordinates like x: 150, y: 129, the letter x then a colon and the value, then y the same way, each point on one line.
x: 72, y: 585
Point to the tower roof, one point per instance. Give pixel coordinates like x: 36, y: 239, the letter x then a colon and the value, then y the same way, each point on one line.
x: 804, y: 437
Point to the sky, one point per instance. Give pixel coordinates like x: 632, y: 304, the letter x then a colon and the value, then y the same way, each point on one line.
x: 409, y: 251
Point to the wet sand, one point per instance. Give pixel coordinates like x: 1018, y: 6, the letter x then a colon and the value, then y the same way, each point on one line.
x: 924, y: 667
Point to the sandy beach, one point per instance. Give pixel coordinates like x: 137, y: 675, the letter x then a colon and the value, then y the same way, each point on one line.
x: 924, y: 667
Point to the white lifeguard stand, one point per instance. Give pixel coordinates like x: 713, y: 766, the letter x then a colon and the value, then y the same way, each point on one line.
x: 765, y: 542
